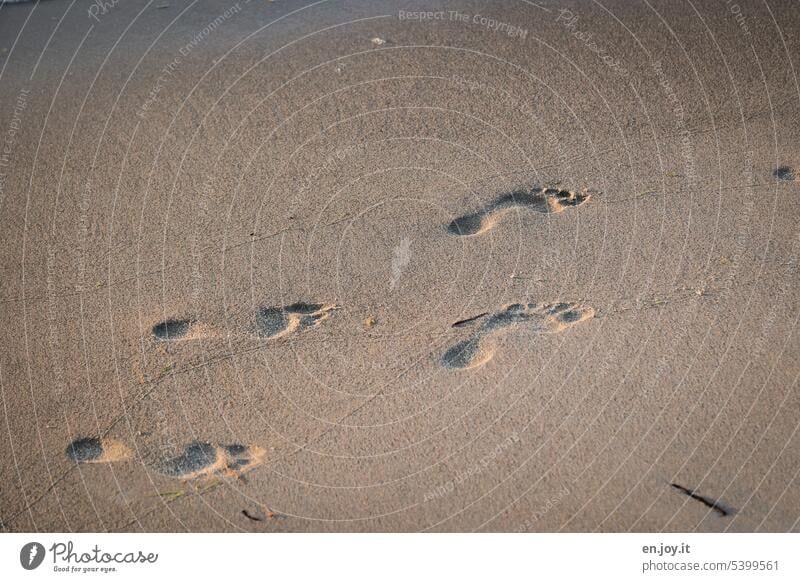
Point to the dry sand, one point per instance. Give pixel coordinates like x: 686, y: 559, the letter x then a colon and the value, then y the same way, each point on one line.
x: 233, y: 279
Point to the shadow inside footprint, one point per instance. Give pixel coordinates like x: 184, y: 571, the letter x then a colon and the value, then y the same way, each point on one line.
x: 172, y: 329
x: 85, y: 450
x: 204, y: 459
x: 784, y: 173
x: 272, y: 322
x: 542, y: 318
x: 97, y: 450
x: 197, y: 458
x: 535, y: 199
x: 467, y: 225
x: 462, y: 355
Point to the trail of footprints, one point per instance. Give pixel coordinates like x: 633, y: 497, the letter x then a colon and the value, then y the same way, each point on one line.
x: 276, y: 322
x: 204, y: 460
x: 270, y: 323
x: 198, y: 459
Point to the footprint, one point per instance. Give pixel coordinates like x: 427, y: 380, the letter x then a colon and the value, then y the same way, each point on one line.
x: 543, y: 318
x: 171, y: 330
x: 198, y: 459
x: 204, y: 459
x: 467, y: 354
x: 96, y: 450
x: 274, y: 322
x: 784, y: 173
x: 542, y: 200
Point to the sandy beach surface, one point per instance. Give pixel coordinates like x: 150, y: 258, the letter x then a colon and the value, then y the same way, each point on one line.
x: 399, y: 266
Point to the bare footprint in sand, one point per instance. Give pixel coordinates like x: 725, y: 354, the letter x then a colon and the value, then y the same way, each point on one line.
x: 96, y: 450
x: 271, y: 322
x: 174, y: 330
x: 542, y: 200
x: 204, y: 460
x: 784, y: 174
x: 275, y: 322
x: 543, y: 318
x: 197, y: 460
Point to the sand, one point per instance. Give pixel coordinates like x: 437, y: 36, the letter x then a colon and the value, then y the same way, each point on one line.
x: 233, y: 271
